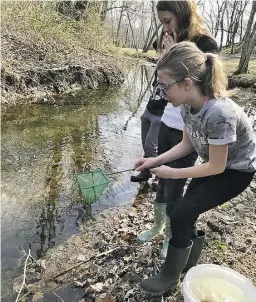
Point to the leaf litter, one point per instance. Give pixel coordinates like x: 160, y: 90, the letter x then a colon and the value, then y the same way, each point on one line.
x: 107, y: 262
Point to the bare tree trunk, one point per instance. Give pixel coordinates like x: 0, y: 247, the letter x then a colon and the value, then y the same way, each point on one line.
x: 119, y: 25
x: 148, y: 35
x: 237, y: 22
x: 218, y: 17
x: 103, y: 10
x: 228, y: 24
x: 126, y: 36
x: 112, y: 27
x: 249, y: 42
x: 230, y: 29
x: 241, y: 28
x: 154, y: 16
x: 146, y: 47
x: 222, y: 24
x: 132, y: 32
x: 211, y: 21
x: 241, y: 25
x: 140, y: 36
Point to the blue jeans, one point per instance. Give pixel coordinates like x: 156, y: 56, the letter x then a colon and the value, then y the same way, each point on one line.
x: 150, y: 125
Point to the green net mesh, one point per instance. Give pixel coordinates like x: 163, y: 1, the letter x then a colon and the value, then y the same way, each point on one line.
x: 92, y: 184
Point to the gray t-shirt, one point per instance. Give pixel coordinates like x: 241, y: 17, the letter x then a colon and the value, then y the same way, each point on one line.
x: 221, y: 121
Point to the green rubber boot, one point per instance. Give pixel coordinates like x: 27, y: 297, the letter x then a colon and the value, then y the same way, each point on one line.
x: 169, y: 277
x: 168, y: 236
x: 196, y: 250
x: 159, y: 223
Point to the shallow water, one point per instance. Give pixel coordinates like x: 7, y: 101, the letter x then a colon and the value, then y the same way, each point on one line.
x: 45, y: 145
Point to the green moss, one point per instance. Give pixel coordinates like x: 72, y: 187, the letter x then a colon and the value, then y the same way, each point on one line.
x: 241, y: 80
x: 224, y: 205
x: 216, y: 247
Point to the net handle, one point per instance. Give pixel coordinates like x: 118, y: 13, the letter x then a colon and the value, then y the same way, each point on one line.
x: 128, y: 170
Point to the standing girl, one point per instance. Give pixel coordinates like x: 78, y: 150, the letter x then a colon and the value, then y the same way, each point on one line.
x: 150, y: 125
x: 221, y: 134
x: 180, y: 22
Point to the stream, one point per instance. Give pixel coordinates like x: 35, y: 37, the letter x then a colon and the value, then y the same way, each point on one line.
x: 45, y: 145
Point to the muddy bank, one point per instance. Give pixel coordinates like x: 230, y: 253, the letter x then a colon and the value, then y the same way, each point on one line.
x: 31, y: 71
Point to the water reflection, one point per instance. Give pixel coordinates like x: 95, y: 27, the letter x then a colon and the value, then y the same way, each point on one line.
x: 45, y: 145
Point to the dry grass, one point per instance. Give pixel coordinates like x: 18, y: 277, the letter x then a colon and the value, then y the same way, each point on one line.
x: 36, y: 27
x: 47, y: 51
x: 40, y: 20
x: 231, y: 64
x: 133, y: 51
x: 241, y: 80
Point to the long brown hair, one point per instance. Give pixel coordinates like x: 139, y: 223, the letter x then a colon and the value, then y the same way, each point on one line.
x: 186, y: 60
x: 191, y: 25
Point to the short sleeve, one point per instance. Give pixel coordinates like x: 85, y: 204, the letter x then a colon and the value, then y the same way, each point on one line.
x: 221, y: 126
x: 183, y: 111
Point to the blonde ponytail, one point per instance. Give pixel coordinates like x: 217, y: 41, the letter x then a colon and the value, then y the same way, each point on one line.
x: 214, y: 81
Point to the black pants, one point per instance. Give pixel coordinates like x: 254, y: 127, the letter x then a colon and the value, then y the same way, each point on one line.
x: 170, y: 191
x: 202, y: 195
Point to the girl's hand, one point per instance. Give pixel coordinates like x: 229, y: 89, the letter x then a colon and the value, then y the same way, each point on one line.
x: 144, y: 163
x: 169, y: 40
x: 163, y: 172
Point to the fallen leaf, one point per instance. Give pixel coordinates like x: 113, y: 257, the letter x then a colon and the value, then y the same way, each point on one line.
x: 107, y: 298
x: 127, y: 258
x: 129, y: 237
x: 97, y: 286
x: 127, y: 295
x: 79, y: 284
x: 145, y: 253
x: 81, y: 258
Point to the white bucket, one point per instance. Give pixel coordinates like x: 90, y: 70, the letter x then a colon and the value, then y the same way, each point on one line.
x: 204, y: 271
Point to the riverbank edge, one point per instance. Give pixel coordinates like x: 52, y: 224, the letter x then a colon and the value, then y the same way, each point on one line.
x: 43, y: 82
x: 105, y: 260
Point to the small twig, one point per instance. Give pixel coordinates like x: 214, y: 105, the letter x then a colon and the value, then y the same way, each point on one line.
x: 24, y: 276
x: 85, y: 261
x: 157, y: 267
x: 58, y: 296
x: 24, y: 296
x: 104, y: 54
x: 247, y: 251
x: 230, y: 222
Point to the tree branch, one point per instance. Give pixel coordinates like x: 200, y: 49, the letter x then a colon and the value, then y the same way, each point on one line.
x: 24, y: 276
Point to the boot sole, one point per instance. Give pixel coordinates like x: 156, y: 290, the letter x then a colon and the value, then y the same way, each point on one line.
x: 170, y: 289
